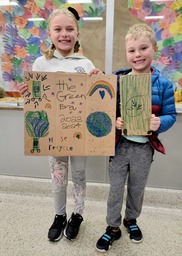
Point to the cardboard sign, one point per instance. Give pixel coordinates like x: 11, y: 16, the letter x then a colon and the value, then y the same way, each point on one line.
x: 69, y: 114
x: 135, y: 93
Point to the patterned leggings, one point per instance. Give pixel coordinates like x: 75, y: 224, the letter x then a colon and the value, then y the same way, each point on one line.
x: 59, y: 174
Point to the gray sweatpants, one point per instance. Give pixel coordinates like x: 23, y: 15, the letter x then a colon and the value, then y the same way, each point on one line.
x: 132, y: 162
x: 59, y: 174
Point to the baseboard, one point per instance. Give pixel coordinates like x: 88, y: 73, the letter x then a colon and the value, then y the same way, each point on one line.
x: 95, y: 191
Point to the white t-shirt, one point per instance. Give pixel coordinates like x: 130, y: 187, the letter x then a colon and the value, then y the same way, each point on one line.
x: 73, y: 63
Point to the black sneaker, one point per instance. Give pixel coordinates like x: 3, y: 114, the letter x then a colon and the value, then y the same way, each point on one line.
x: 134, y: 231
x: 73, y: 226
x: 56, y: 230
x: 106, y: 240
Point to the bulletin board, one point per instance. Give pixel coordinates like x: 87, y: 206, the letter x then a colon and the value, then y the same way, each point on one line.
x: 165, y: 19
x: 69, y: 114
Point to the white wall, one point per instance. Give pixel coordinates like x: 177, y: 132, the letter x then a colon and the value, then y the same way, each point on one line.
x: 166, y: 169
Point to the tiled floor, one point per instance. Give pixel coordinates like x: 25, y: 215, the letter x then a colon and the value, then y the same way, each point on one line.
x: 26, y: 210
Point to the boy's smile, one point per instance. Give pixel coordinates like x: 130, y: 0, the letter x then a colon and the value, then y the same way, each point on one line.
x: 140, y: 53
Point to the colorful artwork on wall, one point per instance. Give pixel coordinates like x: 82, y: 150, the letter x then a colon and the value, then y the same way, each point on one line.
x: 169, y: 37
x: 22, y: 38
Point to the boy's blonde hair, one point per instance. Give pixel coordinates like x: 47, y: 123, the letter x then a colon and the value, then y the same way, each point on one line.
x: 138, y: 30
x: 50, y: 52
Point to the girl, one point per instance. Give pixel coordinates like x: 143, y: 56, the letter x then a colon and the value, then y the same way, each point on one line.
x: 64, y: 32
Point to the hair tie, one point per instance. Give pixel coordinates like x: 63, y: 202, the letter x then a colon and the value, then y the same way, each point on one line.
x: 75, y: 13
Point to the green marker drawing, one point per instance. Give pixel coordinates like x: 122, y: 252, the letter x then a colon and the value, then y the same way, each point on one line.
x: 36, y: 91
x: 37, y: 126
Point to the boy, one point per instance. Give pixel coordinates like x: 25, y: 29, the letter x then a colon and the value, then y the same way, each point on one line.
x: 134, y: 154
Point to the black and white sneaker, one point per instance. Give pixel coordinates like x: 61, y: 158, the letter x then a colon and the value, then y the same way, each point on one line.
x: 134, y: 231
x: 106, y: 240
x: 56, y: 230
x: 73, y: 226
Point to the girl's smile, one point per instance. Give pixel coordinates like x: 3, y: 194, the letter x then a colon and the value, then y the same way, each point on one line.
x: 63, y: 33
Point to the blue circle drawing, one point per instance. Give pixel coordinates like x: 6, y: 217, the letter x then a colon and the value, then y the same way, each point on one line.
x: 99, y: 124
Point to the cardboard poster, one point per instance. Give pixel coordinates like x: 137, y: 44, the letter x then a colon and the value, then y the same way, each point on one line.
x: 135, y: 93
x: 69, y: 114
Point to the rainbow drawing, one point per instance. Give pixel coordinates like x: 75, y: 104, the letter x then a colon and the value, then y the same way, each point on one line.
x: 101, y: 84
x: 77, y: 135
x: 48, y: 105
